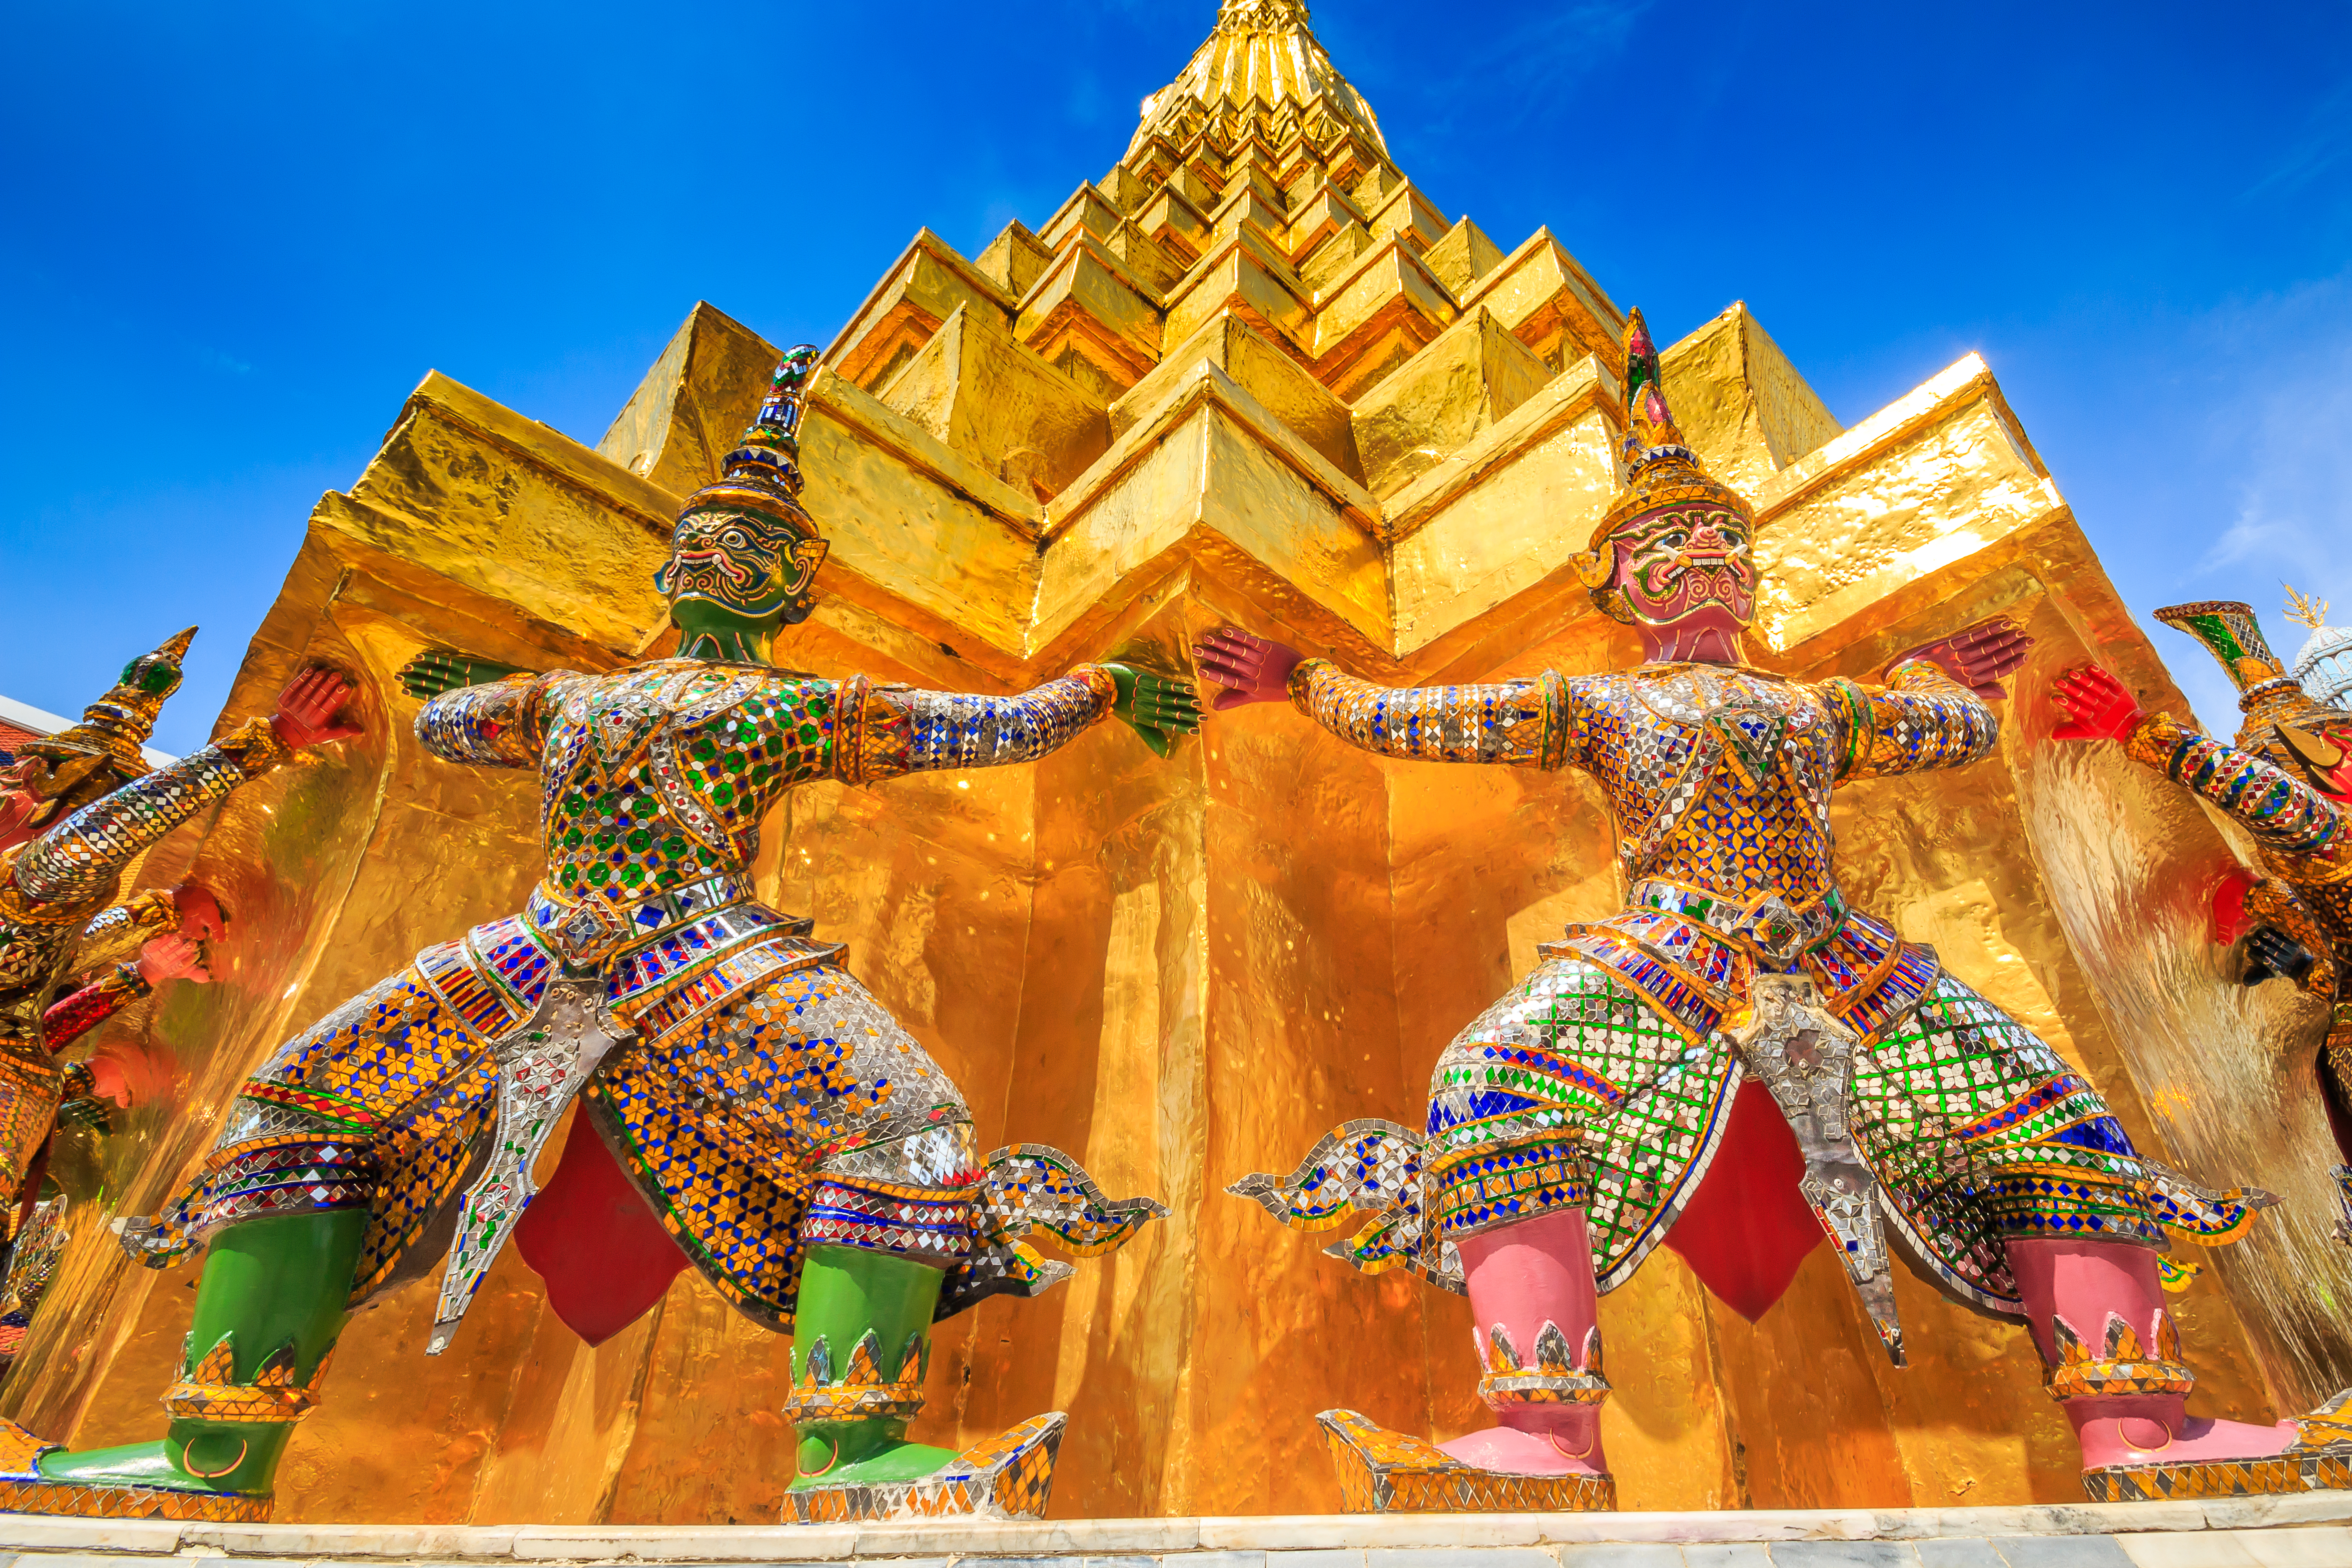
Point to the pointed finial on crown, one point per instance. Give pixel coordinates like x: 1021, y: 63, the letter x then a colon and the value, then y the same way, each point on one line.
x: 769, y: 452
x: 2232, y: 634
x: 1650, y: 428
x: 84, y: 761
x: 2304, y: 610
x: 763, y: 472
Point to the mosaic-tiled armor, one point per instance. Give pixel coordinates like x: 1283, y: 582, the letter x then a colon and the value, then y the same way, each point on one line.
x: 747, y: 1107
x: 58, y: 886
x: 2297, y: 913
x: 765, y: 1100
x: 1637, y: 1081
x: 1605, y: 1080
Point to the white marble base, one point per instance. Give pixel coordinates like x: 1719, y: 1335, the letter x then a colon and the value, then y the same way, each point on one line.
x: 2311, y: 1530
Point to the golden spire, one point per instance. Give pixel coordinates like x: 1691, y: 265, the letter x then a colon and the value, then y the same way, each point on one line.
x: 1260, y: 61
x: 2312, y: 613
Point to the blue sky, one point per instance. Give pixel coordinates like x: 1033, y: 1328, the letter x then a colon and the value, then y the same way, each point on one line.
x: 236, y: 236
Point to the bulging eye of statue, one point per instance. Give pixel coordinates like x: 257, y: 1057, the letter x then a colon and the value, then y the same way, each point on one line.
x: 1673, y: 539
x: 735, y: 538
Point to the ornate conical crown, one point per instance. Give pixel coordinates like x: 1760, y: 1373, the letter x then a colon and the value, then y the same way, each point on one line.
x: 1660, y: 470
x: 2267, y: 695
x: 762, y: 473
x: 103, y: 750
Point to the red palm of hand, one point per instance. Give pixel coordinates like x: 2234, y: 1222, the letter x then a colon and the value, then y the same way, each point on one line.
x: 2096, y: 705
x: 307, y: 708
x: 1250, y: 668
x: 1977, y: 656
x: 173, y: 958
x: 200, y: 912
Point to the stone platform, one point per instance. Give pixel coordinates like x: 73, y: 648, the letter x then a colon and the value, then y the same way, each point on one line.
x: 2312, y: 1531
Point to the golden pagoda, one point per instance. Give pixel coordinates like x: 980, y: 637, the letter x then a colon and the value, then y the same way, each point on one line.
x: 1250, y: 373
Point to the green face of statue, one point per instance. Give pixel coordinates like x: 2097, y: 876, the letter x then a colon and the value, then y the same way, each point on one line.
x: 734, y: 577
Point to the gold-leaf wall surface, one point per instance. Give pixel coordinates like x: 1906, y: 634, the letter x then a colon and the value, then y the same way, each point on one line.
x: 1372, y: 433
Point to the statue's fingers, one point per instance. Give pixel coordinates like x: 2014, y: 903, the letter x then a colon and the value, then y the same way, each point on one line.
x: 1228, y: 699
x: 1231, y: 638
x: 1225, y: 674
x: 1173, y: 717
x: 2009, y: 645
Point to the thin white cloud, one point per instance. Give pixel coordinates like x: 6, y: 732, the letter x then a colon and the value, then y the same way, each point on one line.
x: 2280, y: 431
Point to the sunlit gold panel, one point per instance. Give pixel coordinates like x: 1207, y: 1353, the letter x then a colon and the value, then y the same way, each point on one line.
x: 1529, y: 491
x: 1472, y: 376
x: 1740, y: 403
x: 1260, y: 368
x: 993, y: 400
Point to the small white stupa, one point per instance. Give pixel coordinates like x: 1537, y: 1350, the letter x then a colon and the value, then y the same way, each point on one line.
x: 2323, y: 667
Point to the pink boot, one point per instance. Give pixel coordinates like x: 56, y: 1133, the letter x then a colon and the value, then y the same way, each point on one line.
x: 1531, y: 1297
x: 2096, y: 1314
x: 1535, y: 1324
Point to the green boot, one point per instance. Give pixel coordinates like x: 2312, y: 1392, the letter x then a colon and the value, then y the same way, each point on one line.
x: 271, y: 1302
x: 861, y: 1344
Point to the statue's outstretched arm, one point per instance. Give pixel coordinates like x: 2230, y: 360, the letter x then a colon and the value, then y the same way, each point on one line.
x: 1526, y: 723
x: 487, y: 715
x: 2281, y: 811
x: 117, y: 932
x: 166, y: 927
x: 1932, y: 709
x: 887, y: 730
x: 75, y: 859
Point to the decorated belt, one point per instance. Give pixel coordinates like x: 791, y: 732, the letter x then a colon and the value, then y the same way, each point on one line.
x: 588, y: 933
x: 685, y: 951
x: 1769, y: 923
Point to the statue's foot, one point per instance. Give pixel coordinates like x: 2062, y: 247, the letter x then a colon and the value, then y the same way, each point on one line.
x: 1382, y: 1471
x: 2144, y: 1458
x: 897, y: 1460
x: 141, y: 1480
x: 1509, y: 1451
x: 2140, y: 1440
x: 1008, y: 1476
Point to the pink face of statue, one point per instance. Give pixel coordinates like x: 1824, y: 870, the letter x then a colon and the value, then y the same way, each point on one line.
x: 1689, y: 567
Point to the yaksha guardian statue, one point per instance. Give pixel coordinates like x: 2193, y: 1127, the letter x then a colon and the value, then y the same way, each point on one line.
x: 75, y: 812
x: 1648, y: 1075
x: 2286, y: 781
x: 747, y: 1105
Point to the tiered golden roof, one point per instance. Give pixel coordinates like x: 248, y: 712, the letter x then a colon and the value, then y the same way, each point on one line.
x: 1258, y: 190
